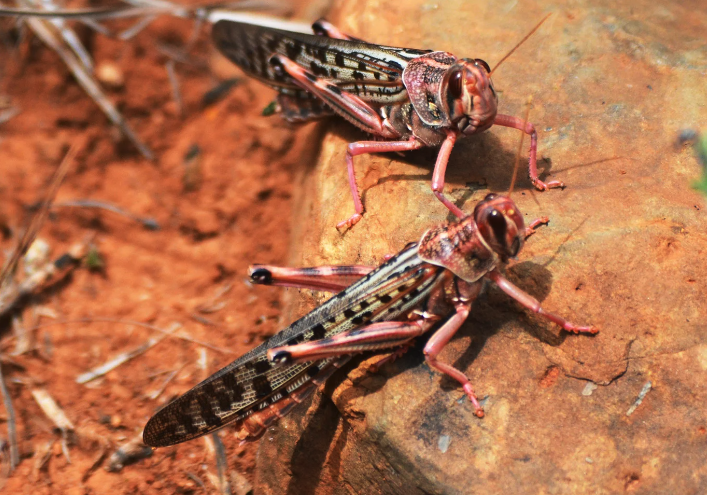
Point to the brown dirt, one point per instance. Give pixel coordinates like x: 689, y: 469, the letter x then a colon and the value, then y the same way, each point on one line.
x: 237, y: 213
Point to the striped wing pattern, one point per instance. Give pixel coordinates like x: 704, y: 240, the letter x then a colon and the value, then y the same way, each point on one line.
x: 372, y: 72
x: 252, y: 383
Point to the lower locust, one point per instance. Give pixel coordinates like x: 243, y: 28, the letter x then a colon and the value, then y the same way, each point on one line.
x: 429, y: 285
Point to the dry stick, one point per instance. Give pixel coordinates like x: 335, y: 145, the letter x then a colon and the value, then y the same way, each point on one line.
x: 137, y: 27
x: 174, y: 83
x: 519, y: 43
x: 144, y: 8
x: 158, y: 391
x: 11, y: 424
x: 124, y: 357
x: 28, y: 237
x: 137, y: 324
x: 147, y: 222
x: 8, y: 113
x: 66, y: 33
x: 47, y: 33
x: 221, y: 465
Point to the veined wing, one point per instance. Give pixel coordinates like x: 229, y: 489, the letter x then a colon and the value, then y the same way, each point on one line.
x: 252, y: 383
x: 372, y: 72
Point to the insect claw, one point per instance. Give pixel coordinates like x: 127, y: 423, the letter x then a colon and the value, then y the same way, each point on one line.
x: 589, y: 329
x: 347, y: 224
x: 542, y: 186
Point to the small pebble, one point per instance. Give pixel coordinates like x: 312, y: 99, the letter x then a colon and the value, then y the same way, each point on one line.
x: 589, y: 388
x: 110, y: 74
x: 443, y: 443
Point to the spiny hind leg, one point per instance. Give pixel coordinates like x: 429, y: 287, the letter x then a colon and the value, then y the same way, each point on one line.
x: 322, y: 27
x: 321, y: 278
x: 373, y: 337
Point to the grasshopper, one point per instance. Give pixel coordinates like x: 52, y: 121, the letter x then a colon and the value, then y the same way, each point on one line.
x: 406, y: 98
x: 374, y: 309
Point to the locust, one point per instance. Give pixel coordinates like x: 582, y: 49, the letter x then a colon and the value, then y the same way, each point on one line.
x: 430, y: 284
x: 405, y: 98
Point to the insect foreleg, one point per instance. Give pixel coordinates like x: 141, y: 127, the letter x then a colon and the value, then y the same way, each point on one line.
x: 321, y: 278
x: 532, y: 304
x: 440, y: 339
x: 441, y: 169
x: 530, y: 229
x: 372, y: 337
x: 362, y: 148
x: 528, y: 128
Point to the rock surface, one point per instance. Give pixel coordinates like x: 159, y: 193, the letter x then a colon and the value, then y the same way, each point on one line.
x: 612, y: 86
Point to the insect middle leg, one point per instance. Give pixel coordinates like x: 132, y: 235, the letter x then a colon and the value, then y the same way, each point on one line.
x: 530, y: 228
x: 440, y: 339
x: 321, y: 278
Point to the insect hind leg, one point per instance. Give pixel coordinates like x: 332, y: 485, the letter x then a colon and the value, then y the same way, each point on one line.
x: 321, y: 278
x: 376, y: 336
x: 322, y: 27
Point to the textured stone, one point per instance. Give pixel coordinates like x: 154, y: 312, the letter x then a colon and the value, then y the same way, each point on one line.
x: 613, y: 84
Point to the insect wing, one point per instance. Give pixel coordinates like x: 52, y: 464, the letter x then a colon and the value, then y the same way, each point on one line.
x: 243, y: 387
x: 372, y: 72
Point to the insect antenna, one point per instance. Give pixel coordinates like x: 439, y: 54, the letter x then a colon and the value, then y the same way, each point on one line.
x: 520, y: 145
x: 519, y: 43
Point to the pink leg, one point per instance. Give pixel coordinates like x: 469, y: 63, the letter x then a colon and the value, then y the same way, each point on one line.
x: 361, y: 148
x: 530, y: 229
x: 392, y: 356
x: 372, y: 337
x: 517, y: 123
x: 440, y: 339
x: 532, y: 304
x: 323, y: 278
x: 441, y: 169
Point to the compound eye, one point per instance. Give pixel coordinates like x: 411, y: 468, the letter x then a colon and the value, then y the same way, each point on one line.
x: 490, y: 196
x: 499, y: 227
x: 456, y: 81
x: 483, y: 64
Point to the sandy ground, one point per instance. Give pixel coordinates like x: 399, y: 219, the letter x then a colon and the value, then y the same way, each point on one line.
x: 219, y: 212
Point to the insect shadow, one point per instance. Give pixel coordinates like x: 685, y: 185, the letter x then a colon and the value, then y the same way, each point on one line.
x: 318, y: 441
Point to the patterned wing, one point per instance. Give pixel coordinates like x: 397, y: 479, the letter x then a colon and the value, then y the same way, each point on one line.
x: 372, y: 72
x: 252, y: 383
